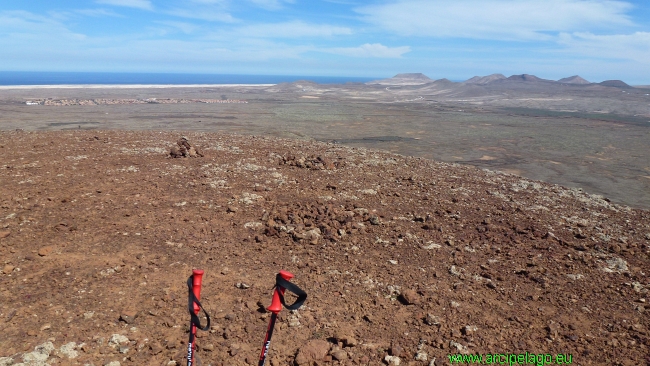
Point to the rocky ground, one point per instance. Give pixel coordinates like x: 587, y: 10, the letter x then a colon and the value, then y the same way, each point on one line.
x: 405, y: 260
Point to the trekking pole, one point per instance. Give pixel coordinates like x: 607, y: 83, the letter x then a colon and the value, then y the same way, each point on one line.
x: 281, y: 284
x: 194, y: 305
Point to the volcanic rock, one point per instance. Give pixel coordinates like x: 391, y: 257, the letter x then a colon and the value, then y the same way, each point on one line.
x: 314, y: 350
x: 128, y: 316
x: 410, y: 297
x: 45, y: 251
x: 184, y: 149
x: 8, y: 268
x: 339, y: 354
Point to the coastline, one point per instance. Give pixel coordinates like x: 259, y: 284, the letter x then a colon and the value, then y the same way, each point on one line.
x: 128, y: 86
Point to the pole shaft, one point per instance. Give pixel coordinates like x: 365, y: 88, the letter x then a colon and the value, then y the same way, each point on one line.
x: 190, y: 346
x: 267, y: 340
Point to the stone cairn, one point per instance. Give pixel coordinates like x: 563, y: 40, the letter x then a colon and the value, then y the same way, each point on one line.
x: 184, y: 149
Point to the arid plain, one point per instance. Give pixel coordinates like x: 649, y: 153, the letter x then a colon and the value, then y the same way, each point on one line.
x: 590, y: 136
x: 407, y: 261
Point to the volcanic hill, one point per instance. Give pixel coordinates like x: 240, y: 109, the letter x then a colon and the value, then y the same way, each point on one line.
x: 485, y: 79
x: 615, y: 83
x: 574, y: 80
x: 405, y: 260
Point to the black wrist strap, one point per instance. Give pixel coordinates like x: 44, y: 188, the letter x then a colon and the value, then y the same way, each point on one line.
x: 190, y: 306
x: 302, y: 295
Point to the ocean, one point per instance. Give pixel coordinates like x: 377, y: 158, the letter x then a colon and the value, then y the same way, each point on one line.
x: 109, y: 78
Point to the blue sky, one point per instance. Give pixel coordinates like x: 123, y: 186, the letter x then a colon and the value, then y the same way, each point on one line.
x: 458, y: 39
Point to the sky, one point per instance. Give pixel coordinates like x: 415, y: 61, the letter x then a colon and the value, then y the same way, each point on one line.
x: 596, y: 39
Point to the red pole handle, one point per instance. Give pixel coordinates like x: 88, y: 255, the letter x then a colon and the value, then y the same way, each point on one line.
x: 276, y: 304
x: 197, y: 277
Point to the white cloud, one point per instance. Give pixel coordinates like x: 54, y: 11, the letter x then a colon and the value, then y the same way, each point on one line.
x: 209, y: 1
x: 293, y: 29
x: 371, y: 50
x: 184, y: 27
x: 98, y: 13
x: 212, y: 14
x: 271, y: 4
x: 496, y: 19
x: 139, y: 4
x: 635, y: 46
x: 43, y: 43
x: 342, y: 2
x: 23, y: 25
x: 193, y: 56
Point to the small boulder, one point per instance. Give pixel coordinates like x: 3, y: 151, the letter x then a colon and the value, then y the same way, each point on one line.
x: 374, y: 219
x: 175, y: 152
x: 313, y: 236
x: 128, y: 316
x: 470, y: 329
x: 69, y: 350
x: 117, y: 340
x: 44, y: 251
x: 346, y: 337
x: 393, y: 360
x: 421, y: 356
x: 431, y: 319
x: 339, y: 354
x: 314, y: 350
x: 396, y: 350
x: 409, y: 297
x: 8, y: 268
